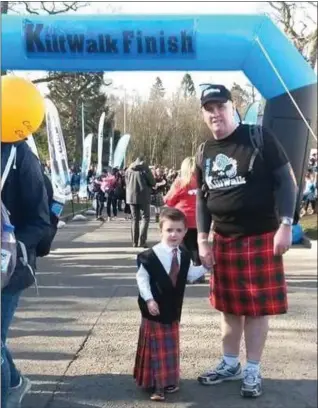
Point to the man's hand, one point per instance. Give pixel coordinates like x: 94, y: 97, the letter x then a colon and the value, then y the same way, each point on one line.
x: 206, y: 254
x: 153, y: 307
x: 282, y: 239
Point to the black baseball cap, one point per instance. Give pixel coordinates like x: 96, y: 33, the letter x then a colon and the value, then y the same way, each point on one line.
x: 214, y: 93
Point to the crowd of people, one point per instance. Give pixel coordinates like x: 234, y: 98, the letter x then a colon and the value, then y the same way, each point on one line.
x: 108, y: 190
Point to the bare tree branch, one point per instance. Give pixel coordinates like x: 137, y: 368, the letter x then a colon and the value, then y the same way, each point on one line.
x: 299, y: 31
x: 302, y: 31
x: 49, y: 7
x: 275, y: 6
x: 311, y: 19
x: 52, y: 78
x: 28, y: 9
x: 58, y: 76
x: 65, y: 6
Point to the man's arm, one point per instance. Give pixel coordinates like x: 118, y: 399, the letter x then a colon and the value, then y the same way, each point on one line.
x: 285, y: 185
x: 34, y: 199
x: 285, y: 188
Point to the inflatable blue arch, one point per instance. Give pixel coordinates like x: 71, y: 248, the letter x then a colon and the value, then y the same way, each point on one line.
x: 250, y: 43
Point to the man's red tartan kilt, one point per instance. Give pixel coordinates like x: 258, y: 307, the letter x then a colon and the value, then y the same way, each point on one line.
x: 248, y: 279
x: 158, y: 357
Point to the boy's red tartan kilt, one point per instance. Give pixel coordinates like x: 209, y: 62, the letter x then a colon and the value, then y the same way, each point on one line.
x: 157, y: 358
x: 248, y: 279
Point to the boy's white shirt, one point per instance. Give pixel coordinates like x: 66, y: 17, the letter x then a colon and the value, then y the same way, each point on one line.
x: 164, y: 254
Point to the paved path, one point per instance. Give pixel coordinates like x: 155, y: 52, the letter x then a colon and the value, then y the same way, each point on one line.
x: 77, y: 340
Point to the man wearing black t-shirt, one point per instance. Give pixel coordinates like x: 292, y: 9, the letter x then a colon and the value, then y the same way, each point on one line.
x: 249, y: 192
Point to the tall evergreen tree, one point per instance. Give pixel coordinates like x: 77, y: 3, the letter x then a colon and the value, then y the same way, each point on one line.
x: 157, y: 90
x: 68, y: 94
x: 187, y: 86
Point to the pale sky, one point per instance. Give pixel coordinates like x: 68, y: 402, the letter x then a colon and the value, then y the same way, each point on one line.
x: 141, y: 81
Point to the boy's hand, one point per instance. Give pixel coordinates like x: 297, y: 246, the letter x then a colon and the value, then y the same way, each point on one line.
x: 153, y: 307
x: 206, y: 254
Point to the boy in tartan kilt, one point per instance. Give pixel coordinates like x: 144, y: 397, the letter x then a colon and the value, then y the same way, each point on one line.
x: 161, y: 278
x: 247, y: 188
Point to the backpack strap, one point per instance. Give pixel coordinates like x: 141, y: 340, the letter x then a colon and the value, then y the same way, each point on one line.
x: 11, y: 159
x: 257, y: 141
x: 201, y: 153
x: 201, y: 149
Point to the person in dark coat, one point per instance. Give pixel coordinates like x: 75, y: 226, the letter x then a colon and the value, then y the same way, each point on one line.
x: 25, y: 196
x: 139, y: 181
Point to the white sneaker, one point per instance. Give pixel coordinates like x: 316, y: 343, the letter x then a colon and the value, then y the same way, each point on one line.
x: 223, y: 372
x: 252, y: 383
x: 17, y: 393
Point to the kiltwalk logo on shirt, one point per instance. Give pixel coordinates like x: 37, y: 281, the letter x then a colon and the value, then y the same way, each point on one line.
x: 222, y: 173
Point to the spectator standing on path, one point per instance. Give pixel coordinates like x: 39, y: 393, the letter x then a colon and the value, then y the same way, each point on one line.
x: 158, y: 191
x: 89, y: 179
x: 119, y: 190
x: 310, y: 192
x: 25, y: 196
x: 250, y: 195
x: 139, y: 181
x: 75, y: 179
x: 182, y: 195
x: 100, y: 195
x: 111, y: 182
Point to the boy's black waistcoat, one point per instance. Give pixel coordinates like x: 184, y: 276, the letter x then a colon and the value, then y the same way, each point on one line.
x: 168, y: 297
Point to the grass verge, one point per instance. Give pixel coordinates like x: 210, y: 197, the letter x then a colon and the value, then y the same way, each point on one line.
x: 309, y: 224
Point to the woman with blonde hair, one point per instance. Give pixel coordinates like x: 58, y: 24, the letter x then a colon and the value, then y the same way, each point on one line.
x: 182, y: 195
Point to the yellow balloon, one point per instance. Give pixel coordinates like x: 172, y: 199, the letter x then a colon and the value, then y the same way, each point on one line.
x: 22, y: 108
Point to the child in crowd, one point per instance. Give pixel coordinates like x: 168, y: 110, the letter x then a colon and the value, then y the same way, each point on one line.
x: 161, y: 278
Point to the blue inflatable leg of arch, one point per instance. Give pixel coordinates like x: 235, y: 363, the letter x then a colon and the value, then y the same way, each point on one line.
x: 172, y: 43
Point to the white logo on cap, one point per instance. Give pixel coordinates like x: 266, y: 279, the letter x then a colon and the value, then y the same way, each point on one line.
x: 214, y: 90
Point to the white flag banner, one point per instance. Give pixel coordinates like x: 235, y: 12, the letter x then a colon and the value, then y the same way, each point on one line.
x: 30, y: 141
x: 86, y: 162
x: 60, y: 174
x: 100, y: 140
x: 120, y: 150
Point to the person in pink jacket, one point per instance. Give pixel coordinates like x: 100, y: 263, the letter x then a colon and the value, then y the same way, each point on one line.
x: 182, y: 195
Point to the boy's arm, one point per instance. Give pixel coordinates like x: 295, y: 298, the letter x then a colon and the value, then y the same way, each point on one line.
x: 142, y: 277
x: 195, y: 272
